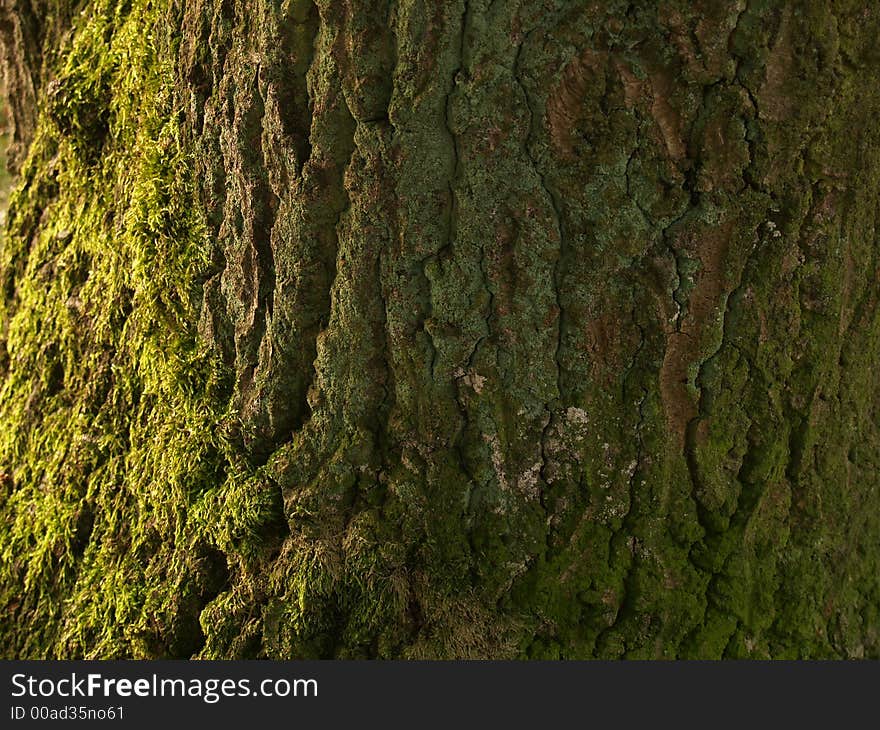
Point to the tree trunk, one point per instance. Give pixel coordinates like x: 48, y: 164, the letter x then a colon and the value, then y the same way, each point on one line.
x: 433, y: 328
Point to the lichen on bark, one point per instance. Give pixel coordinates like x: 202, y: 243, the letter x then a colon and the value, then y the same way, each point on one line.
x: 441, y: 329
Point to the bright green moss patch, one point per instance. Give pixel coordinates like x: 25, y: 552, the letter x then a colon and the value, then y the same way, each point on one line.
x: 109, y: 406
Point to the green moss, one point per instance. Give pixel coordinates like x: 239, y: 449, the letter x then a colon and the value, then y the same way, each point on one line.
x: 119, y: 438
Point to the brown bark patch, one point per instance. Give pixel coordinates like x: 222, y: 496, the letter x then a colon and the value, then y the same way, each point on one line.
x: 775, y: 104
x: 608, y: 344
x: 634, y: 89
x: 684, y: 345
x: 668, y: 120
x: 566, y: 102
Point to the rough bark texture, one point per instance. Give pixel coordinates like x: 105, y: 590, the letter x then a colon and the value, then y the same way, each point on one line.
x: 31, y: 34
x: 426, y: 328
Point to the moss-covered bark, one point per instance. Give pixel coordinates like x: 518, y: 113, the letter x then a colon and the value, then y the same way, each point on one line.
x: 411, y: 328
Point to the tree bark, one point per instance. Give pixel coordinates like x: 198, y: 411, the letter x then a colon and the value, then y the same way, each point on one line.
x: 473, y: 328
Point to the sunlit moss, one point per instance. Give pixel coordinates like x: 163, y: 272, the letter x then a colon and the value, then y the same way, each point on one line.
x: 117, y: 438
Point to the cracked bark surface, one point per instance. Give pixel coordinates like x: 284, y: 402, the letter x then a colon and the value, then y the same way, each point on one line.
x: 536, y: 329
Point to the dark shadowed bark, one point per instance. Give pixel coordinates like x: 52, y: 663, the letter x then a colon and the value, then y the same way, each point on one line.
x: 419, y: 328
